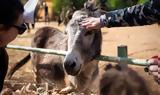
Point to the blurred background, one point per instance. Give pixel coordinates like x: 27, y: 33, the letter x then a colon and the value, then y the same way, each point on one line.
x: 57, y: 9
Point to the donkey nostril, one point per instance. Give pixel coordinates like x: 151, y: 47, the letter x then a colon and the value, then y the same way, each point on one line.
x: 73, y: 65
x: 70, y: 67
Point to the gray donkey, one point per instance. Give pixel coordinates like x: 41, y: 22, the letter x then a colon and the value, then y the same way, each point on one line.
x: 83, y: 47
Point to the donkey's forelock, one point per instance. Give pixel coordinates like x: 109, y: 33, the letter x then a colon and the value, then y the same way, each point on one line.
x: 78, y: 15
x: 75, y: 22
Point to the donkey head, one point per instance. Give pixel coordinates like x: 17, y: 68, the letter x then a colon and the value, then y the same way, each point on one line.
x: 83, y: 45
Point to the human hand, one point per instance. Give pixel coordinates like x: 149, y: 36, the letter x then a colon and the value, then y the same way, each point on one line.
x: 91, y: 23
x: 154, y: 67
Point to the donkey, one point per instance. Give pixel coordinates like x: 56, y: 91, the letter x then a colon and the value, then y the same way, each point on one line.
x: 116, y: 81
x: 83, y: 47
x: 79, y: 66
x: 48, y: 67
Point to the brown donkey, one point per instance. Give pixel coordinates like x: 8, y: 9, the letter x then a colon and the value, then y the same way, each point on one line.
x: 122, y: 82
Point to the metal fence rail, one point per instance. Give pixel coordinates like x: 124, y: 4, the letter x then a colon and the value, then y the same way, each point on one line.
x: 132, y: 61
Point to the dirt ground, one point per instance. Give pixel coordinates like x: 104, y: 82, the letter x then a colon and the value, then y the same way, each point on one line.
x: 143, y: 42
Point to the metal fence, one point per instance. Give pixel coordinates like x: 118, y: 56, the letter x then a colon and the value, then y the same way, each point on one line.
x: 122, y: 54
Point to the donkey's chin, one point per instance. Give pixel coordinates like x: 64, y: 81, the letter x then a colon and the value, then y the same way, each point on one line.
x: 74, y: 73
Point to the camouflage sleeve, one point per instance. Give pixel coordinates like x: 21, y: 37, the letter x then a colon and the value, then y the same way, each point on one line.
x: 148, y: 13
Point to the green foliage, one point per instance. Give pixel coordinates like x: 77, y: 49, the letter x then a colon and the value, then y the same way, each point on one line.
x: 118, y: 4
x: 59, y: 4
x: 115, y: 4
x: 77, y: 4
x: 142, y: 1
x: 23, y: 1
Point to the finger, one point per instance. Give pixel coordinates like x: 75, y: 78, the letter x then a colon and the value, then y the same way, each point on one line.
x: 153, y: 61
x: 156, y: 56
x: 153, y: 68
x: 84, y: 21
x: 89, y: 27
x: 157, y: 78
x: 155, y: 75
x: 85, y: 24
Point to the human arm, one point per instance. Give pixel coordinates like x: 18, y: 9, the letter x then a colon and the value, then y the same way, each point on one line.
x: 140, y: 14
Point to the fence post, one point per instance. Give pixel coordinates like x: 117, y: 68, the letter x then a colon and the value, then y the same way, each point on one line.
x: 123, y: 52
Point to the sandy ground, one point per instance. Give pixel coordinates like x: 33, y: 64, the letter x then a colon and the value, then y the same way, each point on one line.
x: 143, y: 42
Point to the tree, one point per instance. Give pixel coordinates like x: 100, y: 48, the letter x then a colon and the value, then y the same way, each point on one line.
x: 118, y: 4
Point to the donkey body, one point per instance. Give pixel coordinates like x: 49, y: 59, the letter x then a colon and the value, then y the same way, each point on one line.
x: 49, y: 67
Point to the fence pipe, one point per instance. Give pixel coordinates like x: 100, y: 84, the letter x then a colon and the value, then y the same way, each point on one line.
x: 132, y: 61
x: 122, y: 51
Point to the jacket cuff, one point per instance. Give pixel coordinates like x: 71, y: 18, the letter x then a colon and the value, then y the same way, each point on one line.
x: 103, y: 21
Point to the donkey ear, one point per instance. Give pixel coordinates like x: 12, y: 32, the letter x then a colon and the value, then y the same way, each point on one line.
x: 29, y: 9
x: 90, y: 5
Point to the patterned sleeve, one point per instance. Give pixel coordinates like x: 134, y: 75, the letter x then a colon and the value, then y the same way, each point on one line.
x: 146, y: 14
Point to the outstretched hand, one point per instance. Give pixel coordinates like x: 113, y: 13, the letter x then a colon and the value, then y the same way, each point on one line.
x: 154, y: 67
x: 91, y: 23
